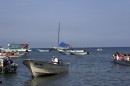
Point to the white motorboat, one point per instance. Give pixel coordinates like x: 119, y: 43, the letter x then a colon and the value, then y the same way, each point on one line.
x: 99, y: 49
x: 17, y: 47
x: 42, y: 50
x: 75, y: 52
x: 79, y: 53
x: 39, y: 68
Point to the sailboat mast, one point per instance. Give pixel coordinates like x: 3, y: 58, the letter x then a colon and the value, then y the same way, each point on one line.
x: 59, y: 34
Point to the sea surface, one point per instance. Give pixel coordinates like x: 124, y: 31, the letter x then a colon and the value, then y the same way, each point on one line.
x: 96, y: 69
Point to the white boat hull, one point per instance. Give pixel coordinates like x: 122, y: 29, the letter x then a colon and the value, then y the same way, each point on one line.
x: 74, y: 52
x: 79, y: 53
x: 20, y: 50
x: 39, y: 68
x: 42, y: 50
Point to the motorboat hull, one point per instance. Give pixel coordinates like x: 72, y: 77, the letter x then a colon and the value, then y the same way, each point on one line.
x: 39, y: 68
x: 122, y: 62
x: 74, y: 52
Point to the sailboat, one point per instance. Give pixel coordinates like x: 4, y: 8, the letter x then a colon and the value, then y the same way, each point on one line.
x: 66, y: 48
x: 61, y: 46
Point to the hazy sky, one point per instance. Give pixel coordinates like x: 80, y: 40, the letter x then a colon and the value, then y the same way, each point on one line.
x: 84, y: 23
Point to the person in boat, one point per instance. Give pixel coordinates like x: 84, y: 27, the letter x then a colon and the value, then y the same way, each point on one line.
x: 3, y: 53
x: 9, y: 65
x: 117, y: 56
x: 12, y: 53
x: 1, y: 64
x: 0, y: 80
x: 17, y: 52
x: 54, y: 60
x: 121, y: 56
x: 7, y: 61
x: 26, y: 52
x: 60, y: 62
x: 126, y: 57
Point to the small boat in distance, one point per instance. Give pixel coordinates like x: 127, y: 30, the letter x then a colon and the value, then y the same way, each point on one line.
x: 75, y: 52
x: 123, y: 59
x: 62, y: 46
x: 66, y: 48
x: 79, y: 52
x: 17, y: 47
x: 43, y: 50
x: 99, y: 49
x: 40, y: 68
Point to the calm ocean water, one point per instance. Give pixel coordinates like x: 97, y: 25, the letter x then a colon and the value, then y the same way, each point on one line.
x: 96, y: 69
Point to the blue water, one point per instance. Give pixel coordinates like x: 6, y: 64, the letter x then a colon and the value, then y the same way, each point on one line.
x: 96, y: 69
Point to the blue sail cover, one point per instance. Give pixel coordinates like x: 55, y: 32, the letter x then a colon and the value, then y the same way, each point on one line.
x: 63, y: 44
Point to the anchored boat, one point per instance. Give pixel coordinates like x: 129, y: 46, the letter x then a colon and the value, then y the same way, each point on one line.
x: 39, y: 68
x: 123, y: 59
x: 17, y: 47
x: 75, y: 52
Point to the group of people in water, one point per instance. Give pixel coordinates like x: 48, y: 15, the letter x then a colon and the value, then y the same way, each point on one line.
x: 121, y: 56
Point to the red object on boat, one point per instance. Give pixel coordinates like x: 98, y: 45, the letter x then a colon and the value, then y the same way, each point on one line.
x: 25, y: 45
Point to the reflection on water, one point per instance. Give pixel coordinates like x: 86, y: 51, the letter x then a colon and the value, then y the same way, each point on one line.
x: 45, y: 80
